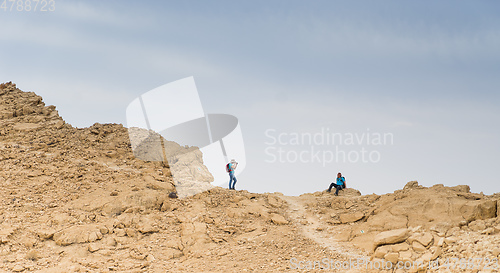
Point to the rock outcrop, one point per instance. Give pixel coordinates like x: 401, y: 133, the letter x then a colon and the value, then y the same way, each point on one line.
x: 78, y: 199
x: 416, y: 224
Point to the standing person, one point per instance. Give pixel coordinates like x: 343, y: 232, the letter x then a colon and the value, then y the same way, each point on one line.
x: 340, y: 184
x: 230, y: 167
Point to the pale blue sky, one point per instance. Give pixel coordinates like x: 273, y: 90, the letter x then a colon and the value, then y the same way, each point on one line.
x: 425, y: 71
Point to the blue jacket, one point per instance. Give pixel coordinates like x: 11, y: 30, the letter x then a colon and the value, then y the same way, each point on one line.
x: 340, y: 181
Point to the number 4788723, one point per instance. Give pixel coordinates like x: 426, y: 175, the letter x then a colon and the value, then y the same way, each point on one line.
x: 28, y: 5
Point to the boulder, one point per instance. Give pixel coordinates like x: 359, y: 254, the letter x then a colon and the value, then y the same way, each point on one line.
x: 479, y: 209
x: 351, y: 217
x: 274, y: 201
x: 27, y: 110
x: 441, y: 241
x: 18, y: 268
x: 418, y: 247
x: 392, y: 257
x: 278, y: 219
x: 6, y: 114
x: 477, y: 225
x: 93, y: 247
x: 436, y: 252
x: 385, y: 220
x: 411, y: 185
x: 461, y: 188
x: 405, y: 255
x: 423, y: 238
x: 450, y: 240
x: 426, y: 257
x: 6, y: 233
x: 194, y: 238
x: 381, y: 251
x: 146, y: 225
x: 77, y: 235
x: 349, y: 192
x: 400, y: 247
x: 391, y: 237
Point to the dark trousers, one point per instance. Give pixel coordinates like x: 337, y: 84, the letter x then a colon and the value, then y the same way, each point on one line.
x: 337, y: 188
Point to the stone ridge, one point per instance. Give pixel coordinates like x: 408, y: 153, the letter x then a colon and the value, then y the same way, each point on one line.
x: 77, y: 200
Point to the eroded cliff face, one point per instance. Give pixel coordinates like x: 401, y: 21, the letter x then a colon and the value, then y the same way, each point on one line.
x: 79, y: 200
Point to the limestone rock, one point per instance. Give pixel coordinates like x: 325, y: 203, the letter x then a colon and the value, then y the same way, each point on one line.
x: 349, y: 192
x: 146, y: 226
x: 440, y: 242
x: 278, y: 219
x: 274, y: 201
x: 450, y: 240
x: 477, y: 225
x: 436, y: 252
x: 6, y: 233
x: 405, y: 255
x: 418, y: 247
x: 351, y: 217
x: 392, y: 257
x: 461, y: 188
x: 424, y: 239
x: 18, y: 268
x: 488, y: 231
x: 77, y: 234
x: 498, y: 207
x: 33, y: 255
x: 391, y: 237
x: 93, y: 247
x: 27, y: 110
x: 412, y: 185
x: 400, y: 247
x: 385, y: 220
x: 479, y: 209
x: 381, y: 251
x: 26, y: 126
x: 426, y: 257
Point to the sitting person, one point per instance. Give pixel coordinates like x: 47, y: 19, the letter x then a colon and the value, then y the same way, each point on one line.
x: 340, y: 184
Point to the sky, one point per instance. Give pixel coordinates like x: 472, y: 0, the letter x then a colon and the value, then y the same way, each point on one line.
x: 422, y: 73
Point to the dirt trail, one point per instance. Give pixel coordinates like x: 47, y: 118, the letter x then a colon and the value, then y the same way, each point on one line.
x: 312, y: 228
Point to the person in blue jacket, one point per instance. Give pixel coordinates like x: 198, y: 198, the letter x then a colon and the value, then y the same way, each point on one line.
x: 339, y: 184
x: 230, y: 167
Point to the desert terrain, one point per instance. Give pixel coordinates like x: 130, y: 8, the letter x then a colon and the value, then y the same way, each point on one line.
x: 78, y: 200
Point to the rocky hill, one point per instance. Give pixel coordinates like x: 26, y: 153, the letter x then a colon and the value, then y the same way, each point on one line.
x: 78, y: 200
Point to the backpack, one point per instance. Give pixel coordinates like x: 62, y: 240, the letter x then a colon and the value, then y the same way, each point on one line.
x: 344, y: 185
x: 228, y: 167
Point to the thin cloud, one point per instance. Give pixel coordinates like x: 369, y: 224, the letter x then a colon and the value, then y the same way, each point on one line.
x: 102, y: 14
